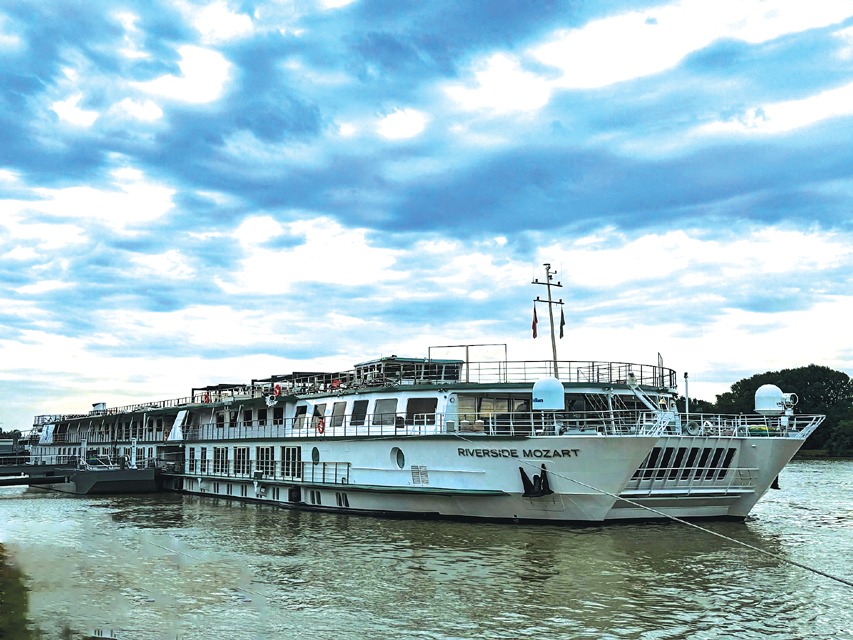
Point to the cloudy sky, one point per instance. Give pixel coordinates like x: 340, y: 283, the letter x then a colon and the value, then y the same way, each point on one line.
x: 203, y: 192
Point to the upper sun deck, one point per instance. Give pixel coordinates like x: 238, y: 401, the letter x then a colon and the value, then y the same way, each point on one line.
x: 393, y: 371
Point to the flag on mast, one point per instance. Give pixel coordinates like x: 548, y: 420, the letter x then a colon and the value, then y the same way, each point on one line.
x: 535, y: 320
x: 562, y: 321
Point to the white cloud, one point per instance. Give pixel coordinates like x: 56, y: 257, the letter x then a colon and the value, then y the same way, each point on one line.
x: 8, y: 40
x: 846, y: 35
x: 744, y: 343
x: 401, y: 124
x: 642, y: 43
x: 346, y: 129
x: 131, y: 48
x: 780, y: 117
x: 335, y: 4
x: 503, y: 87
x: 9, y: 176
x: 143, y: 110
x: 324, y: 252
x: 21, y: 253
x: 170, y: 264
x: 130, y: 201
x: 204, y: 73
x: 218, y: 23
x: 612, y: 260
x: 68, y: 111
x: 46, y: 236
x: 43, y: 286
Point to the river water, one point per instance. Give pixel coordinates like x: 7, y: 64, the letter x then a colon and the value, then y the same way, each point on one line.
x: 171, y: 566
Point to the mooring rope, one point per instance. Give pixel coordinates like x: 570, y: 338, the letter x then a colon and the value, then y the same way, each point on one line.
x: 771, y: 554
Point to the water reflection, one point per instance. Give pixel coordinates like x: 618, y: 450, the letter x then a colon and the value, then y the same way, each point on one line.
x: 169, y: 565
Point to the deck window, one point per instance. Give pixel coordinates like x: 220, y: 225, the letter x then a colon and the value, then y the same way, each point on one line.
x: 319, y: 414
x: 421, y: 410
x: 299, y: 418
x: 359, y: 412
x: 242, y: 466
x: 291, y: 462
x: 220, y: 460
x: 385, y: 411
x: 265, y: 463
x: 339, y: 410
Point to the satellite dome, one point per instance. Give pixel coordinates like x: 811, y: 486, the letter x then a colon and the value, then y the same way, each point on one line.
x: 549, y: 395
x: 769, y: 400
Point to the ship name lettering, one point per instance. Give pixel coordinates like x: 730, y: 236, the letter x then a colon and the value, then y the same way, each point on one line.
x: 488, y: 453
x: 513, y: 453
x: 551, y: 453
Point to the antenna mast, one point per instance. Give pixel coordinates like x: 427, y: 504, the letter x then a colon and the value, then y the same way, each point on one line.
x: 549, y: 276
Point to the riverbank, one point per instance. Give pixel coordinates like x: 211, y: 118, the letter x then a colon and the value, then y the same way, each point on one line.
x: 15, y: 599
x: 822, y: 454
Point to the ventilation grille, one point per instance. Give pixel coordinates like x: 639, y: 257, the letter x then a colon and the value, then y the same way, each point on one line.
x: 420, y: 475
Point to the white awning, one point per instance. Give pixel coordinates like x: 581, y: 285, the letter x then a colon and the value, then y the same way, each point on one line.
x: 46, y: 436
x: 177, y: 433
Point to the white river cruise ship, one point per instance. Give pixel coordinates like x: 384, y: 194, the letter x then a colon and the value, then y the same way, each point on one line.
x: 454, y: 437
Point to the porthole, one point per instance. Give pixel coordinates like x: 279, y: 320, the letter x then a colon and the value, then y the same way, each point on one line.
x: 315, y: 455
x: 398, y: 457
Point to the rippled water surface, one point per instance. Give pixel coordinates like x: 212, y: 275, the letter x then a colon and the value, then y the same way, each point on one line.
x: 172, y: 566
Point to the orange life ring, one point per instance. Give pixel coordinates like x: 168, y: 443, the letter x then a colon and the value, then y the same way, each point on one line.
x: 207, y: 397
x: 276, y: 390
x: 321, y: 426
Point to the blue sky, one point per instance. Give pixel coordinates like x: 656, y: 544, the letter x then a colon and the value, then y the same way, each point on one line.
x: 203, y: 192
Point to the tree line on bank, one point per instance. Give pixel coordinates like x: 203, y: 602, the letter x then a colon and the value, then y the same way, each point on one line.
x: 819, y: 389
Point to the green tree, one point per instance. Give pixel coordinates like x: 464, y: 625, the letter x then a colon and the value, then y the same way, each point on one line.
x: 696, y: 405
x: 841, y: 438
x: 14, y: 434
x: 818, y: 388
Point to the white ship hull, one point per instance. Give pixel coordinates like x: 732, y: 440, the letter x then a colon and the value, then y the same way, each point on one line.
x: 477, y: 478
x: 676, y: 486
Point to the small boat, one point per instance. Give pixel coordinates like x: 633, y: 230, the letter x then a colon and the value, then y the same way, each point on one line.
x: 98, y: 475
x: 461, y: 433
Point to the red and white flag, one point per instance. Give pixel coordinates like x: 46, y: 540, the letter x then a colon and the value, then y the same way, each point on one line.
x: 535, y: 320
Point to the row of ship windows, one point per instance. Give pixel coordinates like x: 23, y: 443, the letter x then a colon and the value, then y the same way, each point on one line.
x: 314, y: 495
x: 291, y: 459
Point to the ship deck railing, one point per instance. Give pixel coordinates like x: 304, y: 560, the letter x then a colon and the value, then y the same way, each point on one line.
x: 752, y: 425
x: 485, y: 372
x: 493, y: 423
x: 320, y: 472
x: 523, y: 423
